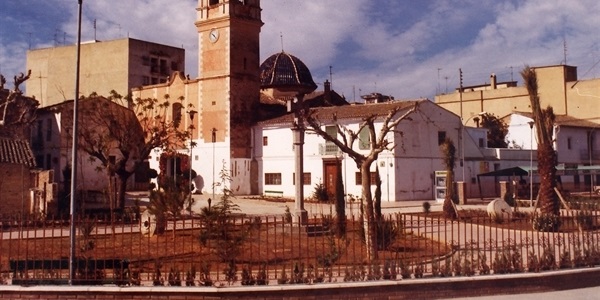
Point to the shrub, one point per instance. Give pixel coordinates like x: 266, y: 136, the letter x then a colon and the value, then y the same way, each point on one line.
x: 426, y: 207
x: 546, y: 222
x: 320, y: 193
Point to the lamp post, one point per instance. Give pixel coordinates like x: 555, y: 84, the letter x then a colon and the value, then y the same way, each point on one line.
x: 192, y: 114
x: 591, y: 154
x: 463, y: 142
x: 214, y: 140
x: 73, y: 229
x: 530, y: 163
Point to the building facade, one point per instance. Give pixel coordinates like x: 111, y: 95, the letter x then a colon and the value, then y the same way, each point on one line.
x: 559, y: 87
x: 118, y: 65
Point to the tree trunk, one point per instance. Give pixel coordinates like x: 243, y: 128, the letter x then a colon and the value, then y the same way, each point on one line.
x: 122, y: 189
x: 340, y: 204
x: 548, y: 201
x: 370, y: 227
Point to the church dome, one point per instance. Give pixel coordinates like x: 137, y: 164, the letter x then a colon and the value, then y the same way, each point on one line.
x: 286, y: 72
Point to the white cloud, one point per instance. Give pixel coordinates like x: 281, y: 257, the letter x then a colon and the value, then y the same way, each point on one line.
x: 373, y: 45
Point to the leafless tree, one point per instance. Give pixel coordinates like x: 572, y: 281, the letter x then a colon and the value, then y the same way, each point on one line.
x: 379, y: 142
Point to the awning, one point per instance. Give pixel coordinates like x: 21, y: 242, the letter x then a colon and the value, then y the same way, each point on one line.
x: 514, y: 171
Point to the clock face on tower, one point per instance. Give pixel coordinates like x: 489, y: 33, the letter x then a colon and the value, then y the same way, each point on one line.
x: 213, y: 35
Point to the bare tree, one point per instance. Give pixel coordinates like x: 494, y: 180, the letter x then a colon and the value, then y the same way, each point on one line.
x: 17, y: 112
x: 378, y: 141
x: 544, y: 125
x: 121, y: 133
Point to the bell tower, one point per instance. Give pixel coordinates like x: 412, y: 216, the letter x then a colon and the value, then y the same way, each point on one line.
x: 228, y: 71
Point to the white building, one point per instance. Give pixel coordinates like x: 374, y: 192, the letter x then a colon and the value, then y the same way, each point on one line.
x: 407, y: 172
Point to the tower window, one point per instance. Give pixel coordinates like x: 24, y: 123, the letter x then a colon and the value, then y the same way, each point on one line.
x: 265, y: 140
x: 441, y: 137
x: 213, y: 2
x: 177, y: 107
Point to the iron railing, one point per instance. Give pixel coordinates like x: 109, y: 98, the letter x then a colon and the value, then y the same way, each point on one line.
x: 245, y: 250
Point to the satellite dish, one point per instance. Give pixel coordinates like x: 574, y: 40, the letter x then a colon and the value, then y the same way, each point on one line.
x: 147, y: 224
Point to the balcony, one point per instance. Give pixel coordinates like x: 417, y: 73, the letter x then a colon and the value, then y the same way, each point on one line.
x: 329, y: 149
x: 584, y: 155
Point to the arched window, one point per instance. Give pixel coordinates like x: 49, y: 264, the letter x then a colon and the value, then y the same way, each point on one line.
x: 177, y: 108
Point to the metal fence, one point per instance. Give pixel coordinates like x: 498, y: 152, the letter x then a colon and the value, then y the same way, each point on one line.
x: 241, y: 250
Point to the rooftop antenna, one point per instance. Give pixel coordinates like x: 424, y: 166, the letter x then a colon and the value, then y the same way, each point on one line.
x: 331, y: 75
x: 29, y: 34
x: 438, y: 87
x: 564, y: 50
x: 95, y: 39
x: 281, y: 40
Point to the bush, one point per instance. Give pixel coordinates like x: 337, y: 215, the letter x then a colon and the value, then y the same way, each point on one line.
x: 320, y: 193
x: 546, y: 222
x: 426, y: 207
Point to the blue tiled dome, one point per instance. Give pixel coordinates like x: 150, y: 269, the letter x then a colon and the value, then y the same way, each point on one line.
x: 285, y: 71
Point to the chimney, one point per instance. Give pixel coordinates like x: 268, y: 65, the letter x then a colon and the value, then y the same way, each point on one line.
x: 493, y: 81
x: 327, y: 91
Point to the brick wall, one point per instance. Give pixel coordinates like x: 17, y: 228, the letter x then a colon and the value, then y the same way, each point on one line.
x: 433, y: 288
x: 15, y: 182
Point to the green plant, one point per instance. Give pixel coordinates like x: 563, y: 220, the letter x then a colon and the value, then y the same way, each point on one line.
x: 283, y: 277
x: 298, y: 274
x: 287, y: 216
x: 426, y: 207
x: 320, y: 193
x: 230, y: 272
x: 157, y: 279
x: 205, y: 279
x: 389, y: 270
x: 334, y: 252
x: 387, y: 230
x: 584, y: 219
x: 546, y: 222
x: 219, y: 228
x: 564, y: 260
x: 190, y: 277
x: 247, y: 277
x: 405, y: 272
x: 261, y: 275
x: 174, y: 277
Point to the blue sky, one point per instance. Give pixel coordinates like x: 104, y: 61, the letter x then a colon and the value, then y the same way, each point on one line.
x: 407, y: 49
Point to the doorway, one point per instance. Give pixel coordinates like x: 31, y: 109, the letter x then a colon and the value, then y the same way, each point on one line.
x: 330, y: 174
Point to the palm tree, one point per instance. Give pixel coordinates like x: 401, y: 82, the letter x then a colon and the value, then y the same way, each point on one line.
x: 449, y: 160
x: 544, y: 124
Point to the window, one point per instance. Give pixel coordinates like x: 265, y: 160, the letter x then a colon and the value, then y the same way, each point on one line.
x: 329, y: 146
x: 481, y: 143
x: 306, y: 178
x: 174, y: 66
x: 272, y: 178
x: 364, y: 139
x: 265, y: 140
x: 177, y: 107
x: 213, y: 2
x: 48, y: 129
x: 145, y: 80
x: 441, y: 137
x: 358, y: 178
x: 569, y: 143
x: 48, y: 162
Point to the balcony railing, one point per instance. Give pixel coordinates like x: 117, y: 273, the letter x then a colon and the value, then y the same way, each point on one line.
x: 585, y: 154
x: 329, y: 149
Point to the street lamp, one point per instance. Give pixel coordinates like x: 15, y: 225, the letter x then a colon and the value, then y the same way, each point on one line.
x: 530, y: 163
x: 463, y: 142
x: 192, y: 114
x: 214, y: 140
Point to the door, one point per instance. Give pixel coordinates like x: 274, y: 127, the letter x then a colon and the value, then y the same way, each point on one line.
x: 330, y: 170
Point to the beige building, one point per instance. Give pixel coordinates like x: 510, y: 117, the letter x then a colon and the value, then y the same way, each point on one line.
x: 116, y: 65
x: 558, y: 87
